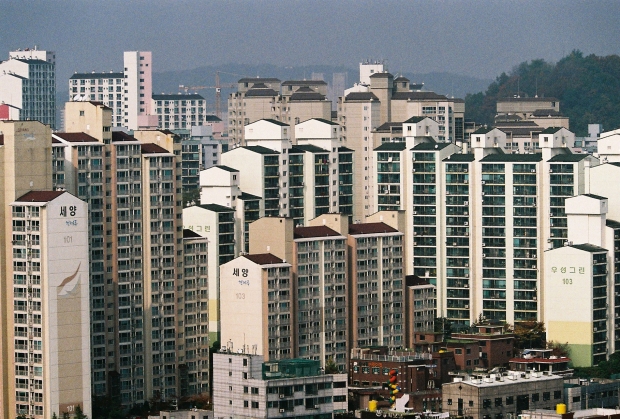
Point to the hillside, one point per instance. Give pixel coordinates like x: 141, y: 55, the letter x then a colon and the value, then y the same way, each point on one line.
x: 588, y: 89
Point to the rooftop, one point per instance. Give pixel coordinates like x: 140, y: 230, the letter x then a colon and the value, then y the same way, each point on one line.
x: 361, y: 96
x: 314, y: 232
x: 39, y: 196
x: 76, y: 137
x: 216, y: 208
x: 109, y: 75
x: 588, y: 248
x: 178, y: 96
x: 122, y: 136
x: 189, y: 234
x: 150, y: 148
x: 264, y: 258
x: 370, y: 228
x: 392, y: 147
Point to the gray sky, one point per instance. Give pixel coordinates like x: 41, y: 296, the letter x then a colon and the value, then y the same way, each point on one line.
x: 479, y: 38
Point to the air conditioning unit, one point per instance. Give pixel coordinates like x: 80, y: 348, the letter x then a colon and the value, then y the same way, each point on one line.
x: 466, y: 286
x: 415, y: 243
x: 466, y: 305
x: 465, y: 181
x: 316, y: 406
x: 281, y: 396
x: 281, y: 410
x: 483, y: 244
x: 415, y: 213
x: 550, y: 170
x: 466, y: 223
x: 465, y: 202
x: 465, y: 170
x: 467, y: 265
x: 533, y: 170
x: 412, y: 170
x: 483, y: 182
x: 484, y: 255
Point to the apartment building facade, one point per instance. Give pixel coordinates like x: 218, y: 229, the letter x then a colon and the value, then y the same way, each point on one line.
x: 28, y: 85
x: 135, y: 236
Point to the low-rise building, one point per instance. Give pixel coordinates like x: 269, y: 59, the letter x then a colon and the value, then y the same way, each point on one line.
x: 496, y: 396
x: 244, y: 386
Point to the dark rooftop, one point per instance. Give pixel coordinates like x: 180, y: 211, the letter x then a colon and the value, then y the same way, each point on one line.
x: 122, y: 136
x: 527, y: 99
x: 216, y: 208
x: 299, y: 96
x: 325, y: 121
x: 391, y: 147
x: 261, y: 92
x: 551, y: 130
x: 362, y: 96
x: 612, y: 224
x: 314, y: 231
x: 97, y: 76
x: 483, y: 130
x: 310, y: 148
x: 390, y: 127
x: 430, y: 146
x: 259, y: 149
x: 383, y: 75
x: 506, y: 158
x: 274, y: 121
x: 415, y: 119
x: 418, y: 96
x: 228, y: 169
x: 458, y: 158
x: 76, y: 137
x: 150, y: 148
x: 258, y: 80
x: 39, y: 196
x: 371, y: 228
x: 591, y: 195
x: 189, y: 234
x: 568, y: 157
x: 304, y: 82
x: 588, y: 248
x: 263, y: 258
x: 249, y: 197
x: 413, y: 280
x: 545, y: 112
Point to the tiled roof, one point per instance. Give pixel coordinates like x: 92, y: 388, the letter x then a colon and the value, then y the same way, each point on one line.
x: 39, y: 196
x: 568, y: 158
x: 371, y: 228
x: 314, y: 231
x: 228, y: 169
x: 458, y: 158
x: 310, y: 148
x: 178, y: 96
x: 263, y: 258
x: 216, y: 208
x: 381, y: 75
x: 259, y: 149
x: 97, y: 76
x: 612, y: 224
x: 505, y: 158
x: 76, y: 137
x: 551, y: 130
x: 430, y: 146
x: 588, y: 248
x: 249, y: 197
x: 591, y: 195
x: 325, y: 121
x: 415, y: 119
x: 189, y: 234
x: 274, y: 121
x: 261, y: 92
x: 150, y: 148
x: 391, y: 147
x: 122, y: 136
x: 365, y: 96
x: 483, y: 130
x: 418, y: 96
x: 299, y: 96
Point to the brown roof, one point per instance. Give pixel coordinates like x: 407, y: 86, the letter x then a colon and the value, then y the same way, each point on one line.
x: 371, y: 228
x: 189, y: 234
x: 263, y: 258
x: 76, y: 137
x: 39, y: 196
x: 150, y: 148
x: 121, y: 136
x: 414, y: 280
x: 314, y: 231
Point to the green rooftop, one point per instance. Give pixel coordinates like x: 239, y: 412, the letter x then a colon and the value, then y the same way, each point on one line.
x: 291, y: 368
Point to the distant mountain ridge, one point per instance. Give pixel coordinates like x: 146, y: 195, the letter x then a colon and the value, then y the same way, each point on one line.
x: 445, y: 83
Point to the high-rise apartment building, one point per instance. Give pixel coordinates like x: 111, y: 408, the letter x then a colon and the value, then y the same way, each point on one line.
x: 49, y: 331
x: 127, y: 93
x: 28, y: 85
x: 131, y: 186
x: 289, y: 102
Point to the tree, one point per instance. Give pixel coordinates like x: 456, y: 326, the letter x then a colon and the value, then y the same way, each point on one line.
x: 558, y: 349
x: 79, y: 414
x: 443, y: 326
x: 330, y: 366
x: 529, y: 334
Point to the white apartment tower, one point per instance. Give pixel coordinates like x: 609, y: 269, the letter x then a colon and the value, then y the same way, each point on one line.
x: 28, y: 84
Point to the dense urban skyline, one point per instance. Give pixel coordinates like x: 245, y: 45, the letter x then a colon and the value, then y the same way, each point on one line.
x: 476, y: 38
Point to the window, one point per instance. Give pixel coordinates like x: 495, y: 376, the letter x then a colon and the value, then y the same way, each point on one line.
x: 254, y: 405
x: 557, y: 394
x: 535, y: 397
x: 246, y: 403
x: 546, y: 396
x: 486, y: 403
x: 510, y: 400
x: 449, y: 402
x: 498, y: 401
x: 471, y: 403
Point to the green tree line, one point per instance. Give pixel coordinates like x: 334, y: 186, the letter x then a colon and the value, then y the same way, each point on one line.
x: 588, y: 88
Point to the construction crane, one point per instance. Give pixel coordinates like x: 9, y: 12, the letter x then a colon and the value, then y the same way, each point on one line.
x: 218, y: 90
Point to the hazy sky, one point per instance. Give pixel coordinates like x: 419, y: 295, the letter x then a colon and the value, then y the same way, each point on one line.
x: 474, y: 37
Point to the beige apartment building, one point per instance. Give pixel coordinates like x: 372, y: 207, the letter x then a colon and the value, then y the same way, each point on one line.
x: 131, y: 186
x: 290, y: 102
